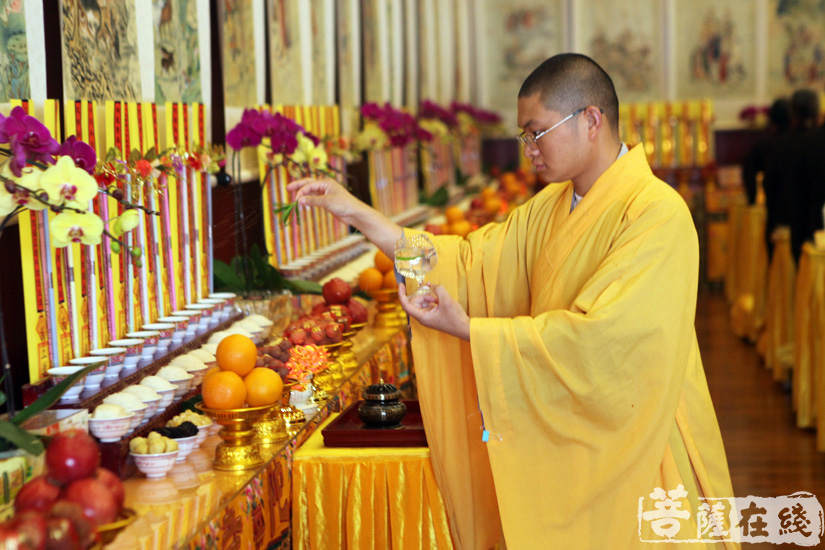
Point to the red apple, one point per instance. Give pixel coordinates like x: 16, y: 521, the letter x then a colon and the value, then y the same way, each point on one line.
x: 74, y: 513
x: 336, y: 291
x: 24, y: 531
x: 38, y: 494
x: 61, y: 534
x: 72, y: 455
x: 320, y: 308
x: 112, y: 482
x: 99, y: 504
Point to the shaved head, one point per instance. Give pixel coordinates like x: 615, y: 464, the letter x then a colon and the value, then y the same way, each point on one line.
x: 571, y: 81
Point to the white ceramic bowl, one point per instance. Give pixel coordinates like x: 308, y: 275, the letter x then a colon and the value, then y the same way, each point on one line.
x: 116, y: 357
x: 194, y: 317
x: 219, y: 304
x: 206, y: 311
x: 166, y: 330
x: 134, y: 350
x: 198, y: 375
x: 166, y: 398
x: 186, y: 445
x: 151, y: 409
x: 108, y: 430
x: 58, y: 374
x: 138, y: 418
x: 229, y: 306
x: 150, y: 343
x: 94, y: 378
x: 181, y: 323
x: 203, y: 431
x: 156, y: 466
x: 183, y: 386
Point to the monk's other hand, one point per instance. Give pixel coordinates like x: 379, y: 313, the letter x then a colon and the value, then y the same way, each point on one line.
x: 440, y: 311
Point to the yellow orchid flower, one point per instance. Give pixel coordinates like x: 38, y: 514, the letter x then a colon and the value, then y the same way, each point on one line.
x: 30, y: 181
x: 72, y: 227
x: 128, y: 220
x: 372, y: 137
x: 66, y: 182
x: 435, y: 127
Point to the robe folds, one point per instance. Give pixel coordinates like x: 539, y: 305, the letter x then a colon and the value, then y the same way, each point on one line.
x: 584, y: 361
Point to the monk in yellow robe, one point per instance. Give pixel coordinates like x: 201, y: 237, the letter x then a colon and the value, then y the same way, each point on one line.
x: 557, y: 363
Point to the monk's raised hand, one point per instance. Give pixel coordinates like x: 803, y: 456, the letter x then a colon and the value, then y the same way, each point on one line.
x: 327, y: 194
x: 439, y: 312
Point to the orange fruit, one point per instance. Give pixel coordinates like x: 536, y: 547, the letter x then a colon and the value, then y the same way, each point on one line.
x: 454, y: 214
x: 492, y: 205
x: 460, y: 228
x: 237, y: 353
x: 263, y: 387
x: 212, y: 370
x: 508, y: 177
x: 370, y: 279
x: 389, y: 280
x: 488, y: 192
x: 383, y: 262
x: 224, y: 390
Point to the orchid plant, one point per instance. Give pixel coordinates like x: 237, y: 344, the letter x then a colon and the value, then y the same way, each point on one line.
x: 37, y: 173
x: 284, y: 143
x: 388, y: 127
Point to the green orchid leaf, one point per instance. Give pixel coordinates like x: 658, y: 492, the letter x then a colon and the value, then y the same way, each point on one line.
x: 20, y: 438
x: 303, y: 287
x: 226, y: 278
x: 439, y: 198
x: 50, y: 397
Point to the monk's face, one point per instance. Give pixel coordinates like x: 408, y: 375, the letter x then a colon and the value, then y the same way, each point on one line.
x: 556, y: 155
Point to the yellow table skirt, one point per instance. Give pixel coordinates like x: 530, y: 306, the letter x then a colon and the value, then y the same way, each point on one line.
x: 809, y: 340
x: 779, y: 309
x: 365, y: 498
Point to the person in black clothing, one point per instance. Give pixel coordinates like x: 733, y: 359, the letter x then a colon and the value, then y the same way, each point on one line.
x: 811, y: 184
x: 779, y: 117
x: 782, y: 171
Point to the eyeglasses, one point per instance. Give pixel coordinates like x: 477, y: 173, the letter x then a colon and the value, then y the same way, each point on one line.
x: 529, y: 140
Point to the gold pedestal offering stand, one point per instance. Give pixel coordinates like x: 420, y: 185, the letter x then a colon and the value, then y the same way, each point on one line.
x: 272, y: 427
x: 239, y: 449
x: 335, y: 366
x: 347, y: 357
x: 388, y: 308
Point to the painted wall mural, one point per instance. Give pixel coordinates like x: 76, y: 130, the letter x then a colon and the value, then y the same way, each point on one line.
x: 796, y: 45
x: 100, y: 57
x: 177, y: 51
x: 239, y: 80
x: 14, y: 57
x: 286, y: 69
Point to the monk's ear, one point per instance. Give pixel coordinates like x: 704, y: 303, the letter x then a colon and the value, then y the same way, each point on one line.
x: 595, y: 121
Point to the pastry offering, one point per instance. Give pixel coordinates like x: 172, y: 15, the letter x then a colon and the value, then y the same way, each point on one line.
x: 188, y: 363
x: 174, y: 373
x: 109, y: 411
x: 126, y: 400
x: 144, y: 393
x: 203, y: 355
x: 157, y: 383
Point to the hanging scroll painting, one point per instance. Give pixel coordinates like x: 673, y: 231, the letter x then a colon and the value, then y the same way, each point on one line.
x: 239, y: 80
x: 100, y: 55
x: 796, y: 45
x: 14, y: 57
x: 626, y: 39
x: 286, y: 69
x: 177, y: 51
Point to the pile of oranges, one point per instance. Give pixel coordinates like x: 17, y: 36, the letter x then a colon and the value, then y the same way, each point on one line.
x: 380, y: 276
x: 456, y: 224
x: 236, y: 382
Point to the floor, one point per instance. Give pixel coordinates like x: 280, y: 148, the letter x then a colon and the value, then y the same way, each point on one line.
x: 767, y: 454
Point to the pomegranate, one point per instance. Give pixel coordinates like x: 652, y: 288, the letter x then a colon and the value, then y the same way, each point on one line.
x: 358, y: 311
x: 72, y: 455
x: 24, y: 531
x: 336, y: 291
x: 38, y: 494
x: 112, y: 482
x: 74, y: 513
x: 61, y: 534
x: 98, y: 502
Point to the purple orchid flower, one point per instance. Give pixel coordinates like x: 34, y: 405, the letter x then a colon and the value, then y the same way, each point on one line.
x: 315, y: 139
x: 242, y: 136
x: 81, y: 152
x: 29, y: 140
